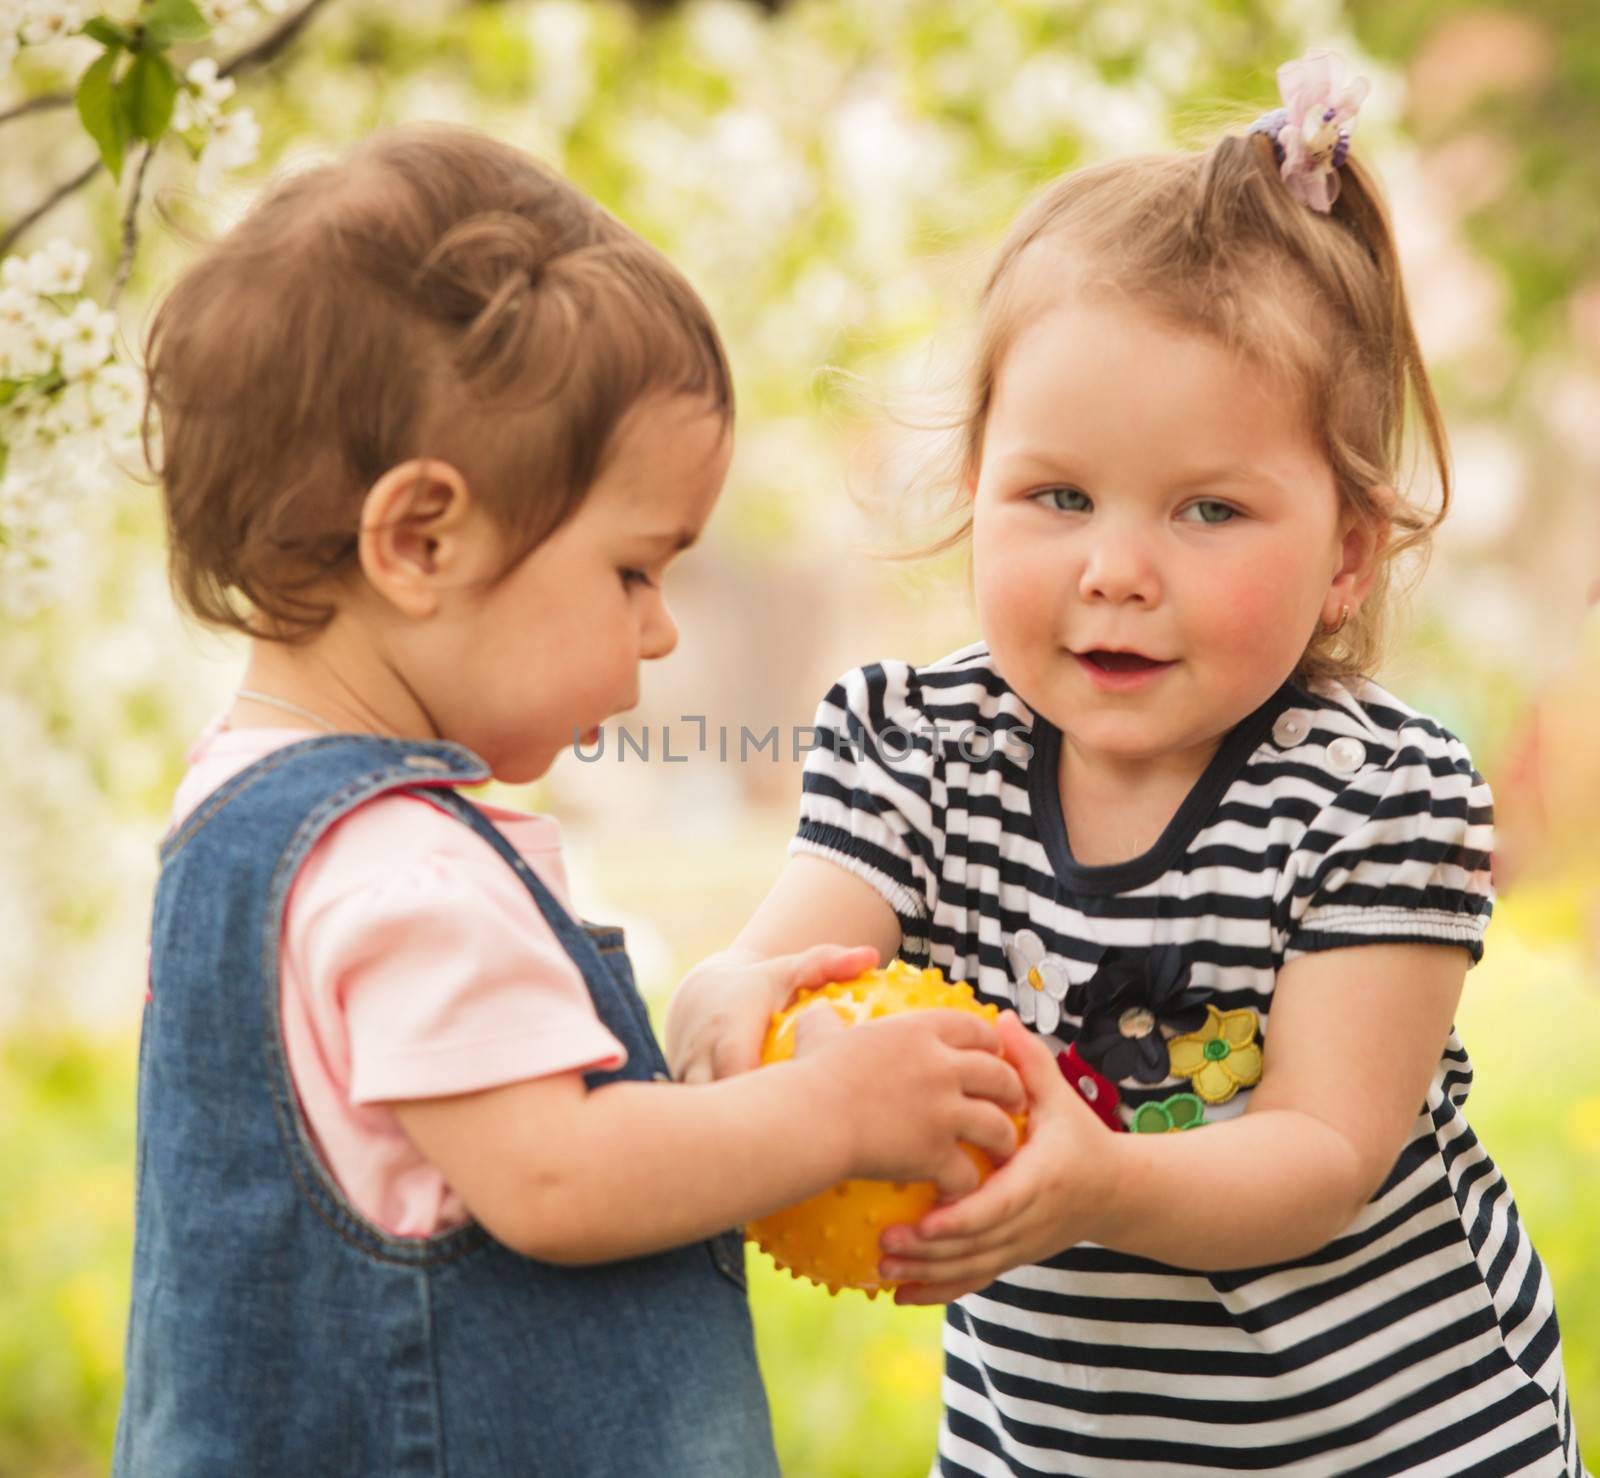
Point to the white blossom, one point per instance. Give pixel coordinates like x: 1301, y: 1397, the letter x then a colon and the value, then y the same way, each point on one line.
x: 233, y: 144
x: 57, y: 269
x: 26, y: 347
x: 220, y: 12
x: 96, y: 420
x: 200, y: 102
x: 230, y: 19
x: 85, y: 338
x: 35, y: 534
x: 44, y: 21
x: 74, y: 420
x: 30, y: 346
x: 117, y: 388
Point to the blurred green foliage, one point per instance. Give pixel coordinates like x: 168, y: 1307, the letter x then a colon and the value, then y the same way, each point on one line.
x: 66, y: 1239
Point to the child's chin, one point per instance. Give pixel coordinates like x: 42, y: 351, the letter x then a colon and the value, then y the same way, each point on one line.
x: 522, y: 769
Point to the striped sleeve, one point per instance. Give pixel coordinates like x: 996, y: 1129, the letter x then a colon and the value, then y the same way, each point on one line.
x: 1399, y: 855
x: 872, y: 793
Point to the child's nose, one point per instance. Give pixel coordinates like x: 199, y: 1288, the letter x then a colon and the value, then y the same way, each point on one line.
x: 660, y: 634
x: 1119, y: 566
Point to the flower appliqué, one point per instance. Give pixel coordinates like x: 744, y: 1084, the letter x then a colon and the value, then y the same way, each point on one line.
x: 1170, y: 1116
x: 1099, y: 1092
x: 1040, y: 978
x: 1222, y: 1057
x: 1132, y: 996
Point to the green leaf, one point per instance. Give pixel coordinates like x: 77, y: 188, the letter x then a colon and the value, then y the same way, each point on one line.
x: 101, y: 114
x: 109, y: 35
x: 174, y: 20
x: 9, y: 390
x: 147, y: 95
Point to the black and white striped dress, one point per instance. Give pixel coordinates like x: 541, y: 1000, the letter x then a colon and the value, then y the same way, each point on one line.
x: 1423, y: 1339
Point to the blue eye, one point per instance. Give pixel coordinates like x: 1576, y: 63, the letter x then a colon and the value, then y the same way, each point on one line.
x: 1065, y: 500
x: 1209, y: 510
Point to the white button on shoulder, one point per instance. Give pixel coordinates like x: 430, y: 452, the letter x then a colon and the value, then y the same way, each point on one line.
x: 1291, y: 727
x: 1346, y: 755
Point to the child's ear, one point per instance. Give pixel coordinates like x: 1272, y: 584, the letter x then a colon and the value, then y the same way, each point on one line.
x: 417, y: 528
x: 1364, y: 538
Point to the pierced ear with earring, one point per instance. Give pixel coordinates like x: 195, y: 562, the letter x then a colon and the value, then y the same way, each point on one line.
x: 1338, y: 626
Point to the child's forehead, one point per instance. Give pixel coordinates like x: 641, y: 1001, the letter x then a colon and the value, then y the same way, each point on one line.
x: 1259, y: 308
x: 668, y: 462
x: 670, y: 434
x: 1073, y: 348
x: 1088, y: 344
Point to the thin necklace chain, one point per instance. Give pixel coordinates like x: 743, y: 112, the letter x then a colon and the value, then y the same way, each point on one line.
x: 285, y: 704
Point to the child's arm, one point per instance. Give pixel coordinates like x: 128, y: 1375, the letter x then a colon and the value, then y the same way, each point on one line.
x: 1355, y: 1037
x: 719, y: 1014
x: 571, y: 1176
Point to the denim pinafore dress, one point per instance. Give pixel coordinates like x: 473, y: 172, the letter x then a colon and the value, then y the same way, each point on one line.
x: 273, y: 1331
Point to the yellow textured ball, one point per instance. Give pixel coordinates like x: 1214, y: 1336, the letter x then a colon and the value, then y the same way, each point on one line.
x: 832, y: 1238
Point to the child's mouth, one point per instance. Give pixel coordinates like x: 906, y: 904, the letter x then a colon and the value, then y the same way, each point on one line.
x: 1121, y: 661
x: 1119, y: 671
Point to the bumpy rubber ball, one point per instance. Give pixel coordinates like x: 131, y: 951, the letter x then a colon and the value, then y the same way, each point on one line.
x: 832, y: 1238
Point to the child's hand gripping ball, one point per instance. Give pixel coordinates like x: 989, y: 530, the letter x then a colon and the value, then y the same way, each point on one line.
x: 832, y: 1238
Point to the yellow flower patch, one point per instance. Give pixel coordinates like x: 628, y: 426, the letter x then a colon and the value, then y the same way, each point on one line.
x: 1222, y: 1057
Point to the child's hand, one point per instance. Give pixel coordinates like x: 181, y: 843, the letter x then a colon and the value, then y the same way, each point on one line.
x: 1032, y: 1207
x: 718, y: 1017
x: 910, y: 1090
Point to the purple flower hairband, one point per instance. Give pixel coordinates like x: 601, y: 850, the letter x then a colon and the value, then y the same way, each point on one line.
x: 1310, y: 133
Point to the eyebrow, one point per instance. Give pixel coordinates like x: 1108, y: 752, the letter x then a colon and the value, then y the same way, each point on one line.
x: 1205, y: 475
x: 1191, y: 477
x: 675, y: 540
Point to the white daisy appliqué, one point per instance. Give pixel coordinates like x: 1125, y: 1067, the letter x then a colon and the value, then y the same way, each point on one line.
x: 1040, y: 979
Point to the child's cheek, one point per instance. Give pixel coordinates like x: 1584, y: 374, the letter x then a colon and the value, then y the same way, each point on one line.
x: 1260, y: 612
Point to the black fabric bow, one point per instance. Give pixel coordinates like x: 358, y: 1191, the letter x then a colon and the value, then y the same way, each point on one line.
x: 1153, y: 980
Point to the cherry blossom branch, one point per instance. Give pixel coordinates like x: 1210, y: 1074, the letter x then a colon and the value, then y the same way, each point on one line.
x: 270, y: 45
x: 48, y: 204
x: 41, y: 104
x: 130, y: 227
x: 264, y: 50
x: 273, y: 42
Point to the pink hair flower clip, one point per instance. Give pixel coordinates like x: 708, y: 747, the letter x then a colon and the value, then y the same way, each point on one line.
x: 1310, y: 133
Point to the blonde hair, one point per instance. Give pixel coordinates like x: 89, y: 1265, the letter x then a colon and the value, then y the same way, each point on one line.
x: 1214, y: 243
x: 433, y: 294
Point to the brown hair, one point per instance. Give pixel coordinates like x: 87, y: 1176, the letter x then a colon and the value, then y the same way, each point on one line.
x: 435, y: 293
x: 1213, y: 242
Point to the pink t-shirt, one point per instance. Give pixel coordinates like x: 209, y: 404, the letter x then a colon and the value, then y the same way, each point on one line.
x: 414, y: 964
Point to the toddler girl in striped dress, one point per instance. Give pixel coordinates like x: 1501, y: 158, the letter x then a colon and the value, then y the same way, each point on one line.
x: 1230, y: 884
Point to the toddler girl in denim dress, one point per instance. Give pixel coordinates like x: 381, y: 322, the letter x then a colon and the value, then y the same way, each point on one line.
x: 415, y: 1193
